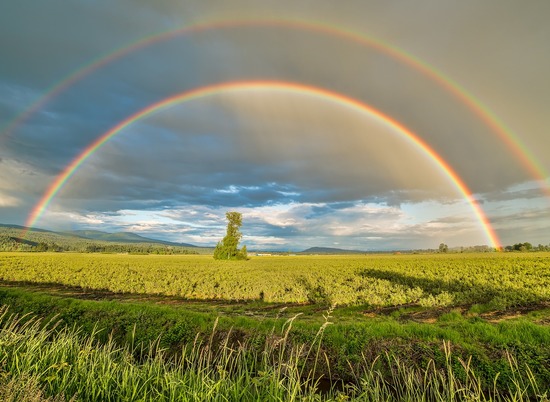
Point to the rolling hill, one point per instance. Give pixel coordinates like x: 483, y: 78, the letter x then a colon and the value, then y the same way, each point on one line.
x: 122, y: 237
x: 330, y: 250
x: 15, y: 237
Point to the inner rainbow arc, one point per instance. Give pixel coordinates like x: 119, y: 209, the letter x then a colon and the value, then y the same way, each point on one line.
x: 218, y: 88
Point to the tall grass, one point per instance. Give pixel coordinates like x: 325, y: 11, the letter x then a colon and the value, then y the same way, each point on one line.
x: 43, y: 362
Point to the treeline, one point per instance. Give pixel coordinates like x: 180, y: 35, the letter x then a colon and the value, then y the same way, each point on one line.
x: 18, y: 244
x: 12, y: 239
x: 516, y: 247
x: 521, y: 247
x: 138, y: 249
x: 527, y: 247
x: 443, y: 248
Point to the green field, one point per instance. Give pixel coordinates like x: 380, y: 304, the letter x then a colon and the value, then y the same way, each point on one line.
x: 501, y: 279
x: 363, y: 323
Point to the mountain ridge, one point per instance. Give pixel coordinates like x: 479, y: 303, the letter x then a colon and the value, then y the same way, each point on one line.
x: 330, y: 250
x: 124, y: 237
x: 84, y: 234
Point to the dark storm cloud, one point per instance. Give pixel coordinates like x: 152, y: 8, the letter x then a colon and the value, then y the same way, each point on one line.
x: 37, y: 51
x: 277, y: 54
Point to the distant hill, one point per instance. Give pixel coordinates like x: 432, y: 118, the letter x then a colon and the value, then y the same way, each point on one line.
x: 330, y: 250
x: 20, y: 238
x: 87, y: 234
x: 8, y: 226
x: 123, y: 237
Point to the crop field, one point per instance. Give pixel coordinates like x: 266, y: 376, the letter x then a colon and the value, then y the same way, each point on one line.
x: 392, y: 327
x: 501, y: 280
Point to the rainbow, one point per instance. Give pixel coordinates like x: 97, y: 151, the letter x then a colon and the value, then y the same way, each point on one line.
x: 505, y: 134
x: 220, y: 88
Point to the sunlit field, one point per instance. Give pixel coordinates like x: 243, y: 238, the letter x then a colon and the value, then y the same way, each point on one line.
x: 436, y: 280
x: 366, y: 327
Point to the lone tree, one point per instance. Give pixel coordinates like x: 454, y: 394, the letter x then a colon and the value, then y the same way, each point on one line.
x: 227, y: 248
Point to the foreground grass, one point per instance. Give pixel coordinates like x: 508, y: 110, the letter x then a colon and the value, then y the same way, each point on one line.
x: 347, y: 347
x: 41, y: 362
x: 367, y: 356
x: 405, y: 327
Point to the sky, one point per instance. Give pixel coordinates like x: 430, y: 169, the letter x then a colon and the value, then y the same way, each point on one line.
x: 359, y: 125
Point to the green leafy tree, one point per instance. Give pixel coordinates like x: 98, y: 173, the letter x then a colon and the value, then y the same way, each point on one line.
x: 227, y: 249
x: 523, y: 246
x: 443, y: 248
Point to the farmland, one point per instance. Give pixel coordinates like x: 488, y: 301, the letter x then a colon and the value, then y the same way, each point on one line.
x: 354, y: 319
x: 501, y: 280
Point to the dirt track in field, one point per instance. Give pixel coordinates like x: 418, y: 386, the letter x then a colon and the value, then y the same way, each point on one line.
x: 254, y: 308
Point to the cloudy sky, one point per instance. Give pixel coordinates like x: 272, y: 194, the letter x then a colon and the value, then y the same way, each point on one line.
x: 469, y: 79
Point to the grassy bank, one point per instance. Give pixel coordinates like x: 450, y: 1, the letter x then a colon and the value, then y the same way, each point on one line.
x: 42, y: 362
x: 348, y: 351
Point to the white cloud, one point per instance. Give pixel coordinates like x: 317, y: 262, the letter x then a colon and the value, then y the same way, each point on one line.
x: 8, y: 200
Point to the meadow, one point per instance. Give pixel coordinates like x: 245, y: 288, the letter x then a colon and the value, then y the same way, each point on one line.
x: 362, y: 327
x: 435, y: 280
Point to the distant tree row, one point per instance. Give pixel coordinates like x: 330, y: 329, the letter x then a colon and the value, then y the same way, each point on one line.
x: 15, y: 243
x: 523, y: 247
x: 444, y: 248
x: 137, y: 249
x: 527, y: 247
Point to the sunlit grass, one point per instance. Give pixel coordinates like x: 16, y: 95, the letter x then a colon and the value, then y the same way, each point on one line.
x: 40, y: 362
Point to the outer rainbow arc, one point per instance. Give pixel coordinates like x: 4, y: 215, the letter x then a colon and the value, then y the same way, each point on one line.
x: 201, y: 92
x: 528, y: 160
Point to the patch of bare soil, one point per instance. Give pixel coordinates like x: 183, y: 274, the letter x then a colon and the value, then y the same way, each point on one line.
x: 430, y: 316
x: 427, y: 316
x: 516, y: 312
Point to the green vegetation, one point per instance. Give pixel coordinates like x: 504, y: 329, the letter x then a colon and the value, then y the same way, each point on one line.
x: 55, y: 361
x: 15, y: 238
x: 527, y: 247
x: 401, y: 326
x: 499, y: 280
x: 228, y: 249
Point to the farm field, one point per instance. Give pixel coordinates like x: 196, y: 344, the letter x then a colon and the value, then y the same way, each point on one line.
x: 499, y: 280
x: 383, y: 312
